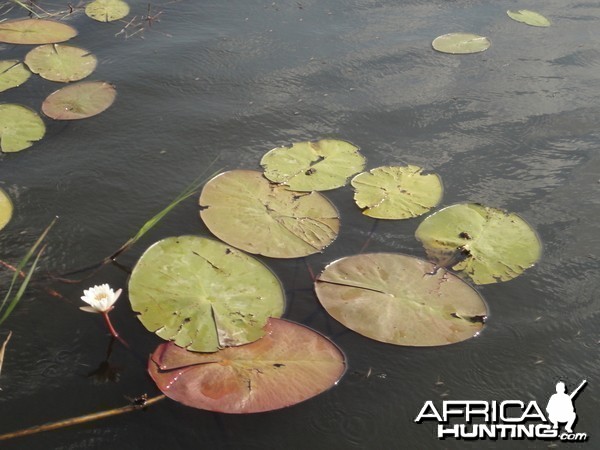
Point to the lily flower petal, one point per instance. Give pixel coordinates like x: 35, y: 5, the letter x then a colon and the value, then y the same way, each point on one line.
x: 100, y: 298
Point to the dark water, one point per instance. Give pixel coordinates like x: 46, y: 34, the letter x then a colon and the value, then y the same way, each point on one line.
x: 516, y: 127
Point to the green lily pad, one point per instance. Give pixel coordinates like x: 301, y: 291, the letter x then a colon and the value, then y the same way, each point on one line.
x: 400, y: 299
x: 203, y: 294
x: 61, y: 63
x: 20, y: 127
x: 79, y: 101
x: 290, y: 364
x: 529, y: 17
x: 486, y: 244
x: 6, y: 209
x: 313, y: 166
x: 243, y: 209
x: 12, y: 74
x: 396, y: 192
x: 107, y: 10
x: 460, y: 43
x: 35, y: 31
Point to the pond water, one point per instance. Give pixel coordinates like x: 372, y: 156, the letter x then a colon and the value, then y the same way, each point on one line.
x: 515, y: 127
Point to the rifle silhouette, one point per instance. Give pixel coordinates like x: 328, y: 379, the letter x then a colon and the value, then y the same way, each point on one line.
x: 576, y: 391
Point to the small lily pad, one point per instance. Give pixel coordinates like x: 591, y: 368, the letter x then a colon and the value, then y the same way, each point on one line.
x: 80, y: 100
x: 35, y: 31
x: 6, y: 209
x: 12, y: 74
x: 107, y: 10
x: 61, y: 63
x: 485, y: 244
x: 313, y: 166
x: 243, y: 209
x: 290, y: 364
x: 20, y: 127
x: 396, y: 192
x: 461, y: 43
x: 203, y: 294
x: 400, y: 299
x: 529, y: 17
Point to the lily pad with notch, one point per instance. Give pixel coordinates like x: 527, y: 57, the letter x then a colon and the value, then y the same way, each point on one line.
x: 107, y: 10
x: 35, y: 31
x: 20, y: 127
x: 203, y: 294
x: 62, y: 63
x: 396, y: 192
x: 529, y: 17
x: 79, y: 100
x: 400, y: 299
x: 6, y: 208
x: 290, y: 364
x: 461, y: 43
x: 486, y: 244
x: 12, y: 74
x: 243, y: 209
x: 313, y: 165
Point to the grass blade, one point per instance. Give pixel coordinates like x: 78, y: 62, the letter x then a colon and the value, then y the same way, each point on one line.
x: 24, y: 262
x: 3, y: 349
x: 22, y: 288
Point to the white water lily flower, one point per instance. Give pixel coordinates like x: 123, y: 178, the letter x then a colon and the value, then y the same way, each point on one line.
x: 100, y: 298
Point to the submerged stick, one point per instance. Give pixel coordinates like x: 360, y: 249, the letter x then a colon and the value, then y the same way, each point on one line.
x: 369, y: 236
x: 143, y: 403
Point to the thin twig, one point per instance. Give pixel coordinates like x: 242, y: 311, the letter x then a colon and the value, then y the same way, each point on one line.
x: 81, y: 419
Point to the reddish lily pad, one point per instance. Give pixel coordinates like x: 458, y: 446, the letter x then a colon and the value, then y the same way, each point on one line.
x: 400, y: 299
x: 243, y: 209
x: 35, y: 31
x: 80, y: 100
x: 290, y: 364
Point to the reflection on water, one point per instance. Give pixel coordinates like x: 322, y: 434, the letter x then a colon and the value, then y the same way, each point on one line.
x: 515, y: 127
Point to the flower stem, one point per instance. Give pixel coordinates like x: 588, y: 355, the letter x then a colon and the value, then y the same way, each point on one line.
x: 112, y: 330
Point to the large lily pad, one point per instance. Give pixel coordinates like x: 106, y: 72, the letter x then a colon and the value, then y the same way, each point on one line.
x: 290, y: 364
x: 6, y: 209
x: 20, y: 127
x: 400, y: 299
x: 80, y: 100
x: 203, y: 294
x: 35, y: 31
x: 61, y: 63
x: 396, y: 192
x: 107, y: 10
x: 12, y: 74
x: 313, y: 166
x: 460, y: 43
x: 529, y: 17
x: 243, y: 209
x: 486, y: 244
